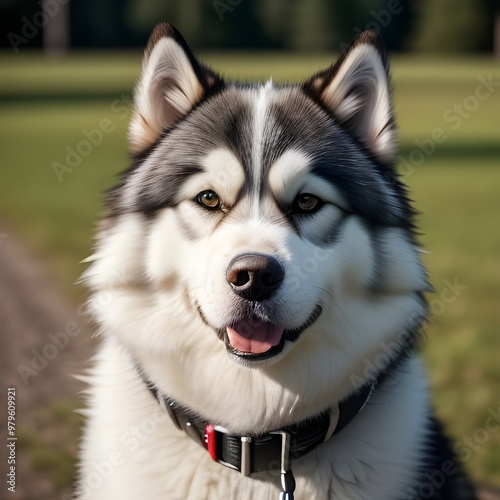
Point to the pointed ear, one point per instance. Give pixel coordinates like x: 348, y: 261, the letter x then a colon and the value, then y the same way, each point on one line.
x: 357, y: 91
x: 171, y: 84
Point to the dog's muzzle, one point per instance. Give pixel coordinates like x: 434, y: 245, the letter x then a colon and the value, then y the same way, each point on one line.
x: 253, y: 335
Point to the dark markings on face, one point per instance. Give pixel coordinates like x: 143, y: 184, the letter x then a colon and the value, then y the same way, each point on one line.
x: 337, y: 158
x: 331, y: 234
x: 154, y: 179
x: 293, y: 121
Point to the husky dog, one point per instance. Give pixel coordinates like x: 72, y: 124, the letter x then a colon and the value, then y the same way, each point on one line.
x: 259, y: 291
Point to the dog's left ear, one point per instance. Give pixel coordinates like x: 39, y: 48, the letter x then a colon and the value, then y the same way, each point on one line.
x: 171, y: 84
x: 357, y: 91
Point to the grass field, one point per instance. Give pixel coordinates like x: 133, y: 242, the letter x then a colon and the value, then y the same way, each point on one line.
x: 47, y: 106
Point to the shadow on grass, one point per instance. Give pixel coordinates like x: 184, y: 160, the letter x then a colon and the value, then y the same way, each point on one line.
x: 454, y: 150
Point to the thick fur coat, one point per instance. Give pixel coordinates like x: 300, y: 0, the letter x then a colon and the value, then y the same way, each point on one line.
x: 258, y: 264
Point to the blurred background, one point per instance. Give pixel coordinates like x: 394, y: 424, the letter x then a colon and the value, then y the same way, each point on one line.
x: 67, y: 69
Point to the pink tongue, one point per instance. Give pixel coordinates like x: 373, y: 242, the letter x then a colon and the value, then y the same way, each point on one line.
x: 253, y: 336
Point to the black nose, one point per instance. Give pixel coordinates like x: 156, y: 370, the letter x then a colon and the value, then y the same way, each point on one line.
x: 254, y: 276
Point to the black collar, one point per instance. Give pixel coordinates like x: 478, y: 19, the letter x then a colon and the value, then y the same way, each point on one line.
x: 276, y: 450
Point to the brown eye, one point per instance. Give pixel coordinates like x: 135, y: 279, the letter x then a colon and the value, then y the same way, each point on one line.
x: 306, y: 203
x: 208, y: 199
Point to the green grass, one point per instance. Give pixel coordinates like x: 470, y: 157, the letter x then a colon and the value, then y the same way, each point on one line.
x: 56, y: 216
x: 53, y: 449
x: 463, y: 345
x: 457, y: 189
x: 102, y: 72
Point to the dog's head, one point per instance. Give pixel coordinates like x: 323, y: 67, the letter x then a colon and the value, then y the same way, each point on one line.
x: 261, y: 242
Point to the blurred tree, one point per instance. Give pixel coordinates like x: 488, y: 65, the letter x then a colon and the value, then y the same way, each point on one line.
x: 496, y: 28
x: 142, y: 15
x: 315, y: 25
x: 453, y: 26
x: 274, y: 18
x: 238, y: 25
x: 231, y: 24
x: 310, y: 25
x: 56, y: 34
x: 391, y: 18
x: 95, y: 23
x: 19, y: 32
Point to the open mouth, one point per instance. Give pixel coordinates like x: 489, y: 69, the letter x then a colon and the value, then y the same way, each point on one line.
x: 252, y: 340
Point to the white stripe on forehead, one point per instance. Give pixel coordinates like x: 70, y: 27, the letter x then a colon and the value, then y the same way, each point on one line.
x: 259, y: 121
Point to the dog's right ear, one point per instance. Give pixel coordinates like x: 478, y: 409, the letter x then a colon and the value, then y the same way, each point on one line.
x: 171, y: 84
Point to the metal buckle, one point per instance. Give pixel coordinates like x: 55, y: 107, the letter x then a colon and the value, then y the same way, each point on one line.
x: 246, y: 459
x: 285, y: 450
x: 213, y: 442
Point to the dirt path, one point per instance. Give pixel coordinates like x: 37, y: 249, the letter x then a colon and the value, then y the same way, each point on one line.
x: 44, y: 340
x: 37, y: 356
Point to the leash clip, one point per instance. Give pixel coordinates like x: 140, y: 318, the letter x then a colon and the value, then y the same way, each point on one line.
x: 288, y: 485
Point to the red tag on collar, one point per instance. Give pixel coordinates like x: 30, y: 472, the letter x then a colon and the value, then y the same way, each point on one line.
x: 210, y: 442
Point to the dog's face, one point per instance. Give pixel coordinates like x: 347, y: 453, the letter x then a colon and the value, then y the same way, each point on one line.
x: 261, y: 242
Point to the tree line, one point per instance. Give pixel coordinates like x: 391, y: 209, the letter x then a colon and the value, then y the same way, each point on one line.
x: 304, y: 25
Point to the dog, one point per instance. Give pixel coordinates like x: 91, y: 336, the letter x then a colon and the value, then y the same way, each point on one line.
x: 260, y: 295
